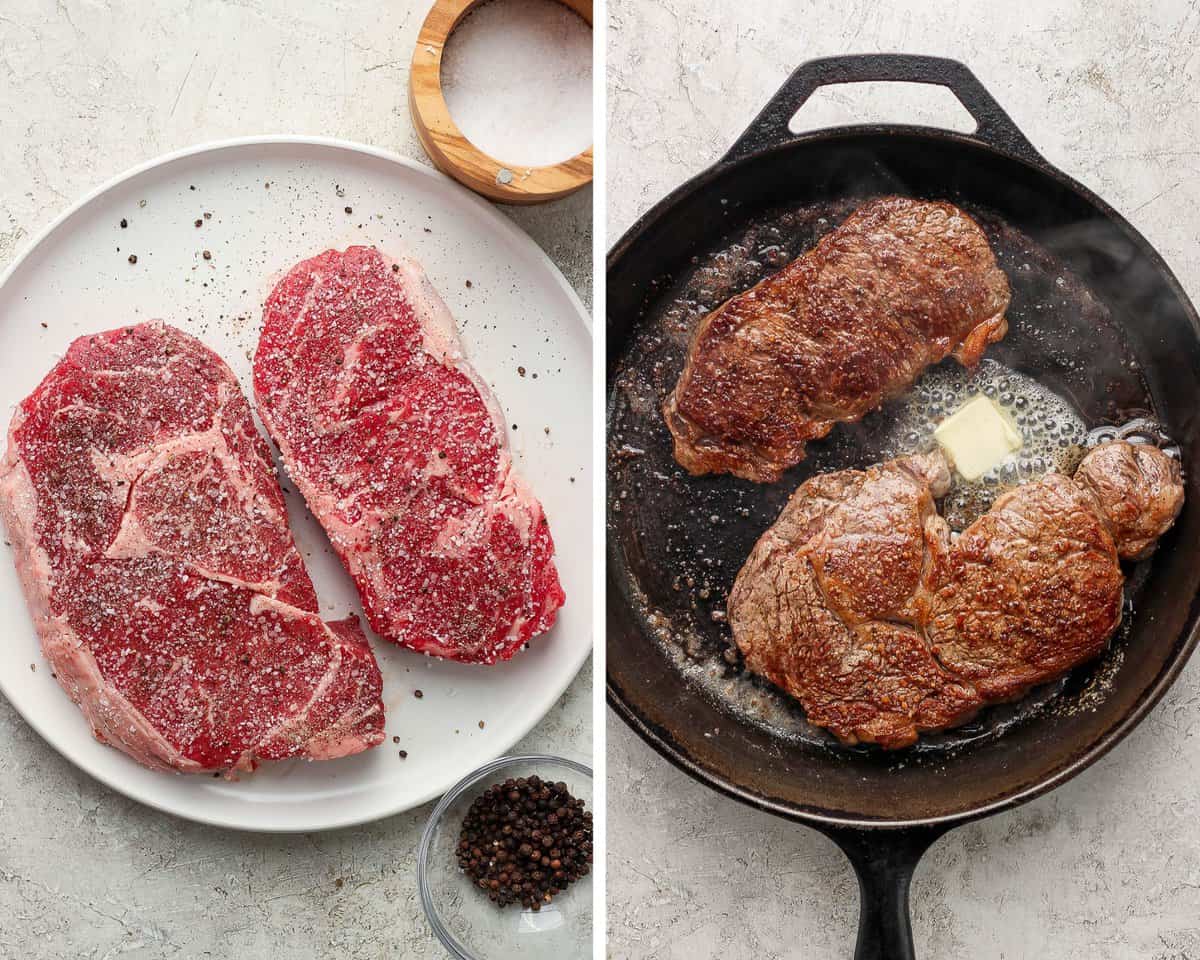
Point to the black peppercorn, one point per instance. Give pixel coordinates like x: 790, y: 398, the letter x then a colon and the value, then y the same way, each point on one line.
x: 524, y: 841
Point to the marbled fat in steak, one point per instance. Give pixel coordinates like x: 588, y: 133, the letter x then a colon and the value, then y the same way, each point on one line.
x: 400, y: 450
x: 152, y: 542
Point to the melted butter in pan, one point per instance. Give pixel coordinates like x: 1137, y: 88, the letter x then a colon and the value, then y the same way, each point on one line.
x: 1053, y: 434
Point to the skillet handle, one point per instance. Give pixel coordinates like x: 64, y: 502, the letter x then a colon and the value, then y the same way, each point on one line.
x: 884, y: 861
x: 995, y: 127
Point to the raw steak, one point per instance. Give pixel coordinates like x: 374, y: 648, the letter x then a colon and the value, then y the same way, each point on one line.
x: 401, y: 453
x: 152, y: 542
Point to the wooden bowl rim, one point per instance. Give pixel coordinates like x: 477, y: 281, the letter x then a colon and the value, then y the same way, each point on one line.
x: 464, y: 161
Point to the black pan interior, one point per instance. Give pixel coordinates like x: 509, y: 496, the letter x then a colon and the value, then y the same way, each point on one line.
x: 1095, y: 316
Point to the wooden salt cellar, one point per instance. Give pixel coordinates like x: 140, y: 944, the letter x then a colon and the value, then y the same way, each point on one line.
x: 453, y: 153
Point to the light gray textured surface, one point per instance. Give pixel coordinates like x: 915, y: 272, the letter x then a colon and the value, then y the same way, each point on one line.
x: 1109, y: 865
x: 87, y: 89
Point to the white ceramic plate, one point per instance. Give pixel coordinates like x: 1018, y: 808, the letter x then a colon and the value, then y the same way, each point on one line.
x: 516, y: 312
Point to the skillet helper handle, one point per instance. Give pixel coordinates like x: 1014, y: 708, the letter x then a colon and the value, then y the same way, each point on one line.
x: 884, y: 861
x: 995, y: 127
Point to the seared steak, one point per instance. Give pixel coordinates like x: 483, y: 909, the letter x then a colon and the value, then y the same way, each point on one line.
x: 401, y: 453
x: 857, y: 603
x: 152, y: 542
x: 898, y: 286
x: 1139, y: 490
x: 830, y: 603
x: 1028, y: 591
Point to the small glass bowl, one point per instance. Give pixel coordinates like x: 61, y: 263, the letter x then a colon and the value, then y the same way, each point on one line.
x: 467, y: 923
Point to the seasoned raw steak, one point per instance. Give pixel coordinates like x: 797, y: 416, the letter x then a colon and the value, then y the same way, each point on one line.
x: 152, y: 542
x: 857, y: 603
x: 400, y: 451
x: 900, y: 285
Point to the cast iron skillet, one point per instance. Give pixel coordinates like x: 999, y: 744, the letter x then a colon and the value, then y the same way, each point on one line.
x: 1096, y: 314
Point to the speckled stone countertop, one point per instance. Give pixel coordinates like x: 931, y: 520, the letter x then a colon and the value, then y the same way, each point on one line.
x: 1109, y: 865
x: 88, y: 88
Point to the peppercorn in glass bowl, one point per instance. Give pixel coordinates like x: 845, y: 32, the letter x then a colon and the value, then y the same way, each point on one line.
x: 470, y: 924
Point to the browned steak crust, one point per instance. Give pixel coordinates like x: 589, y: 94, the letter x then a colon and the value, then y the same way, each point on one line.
x: 857, y: 603
x: 900, y: 285
x: 1139, y: 491
x: 829, y: 605
x: 1028, y: 591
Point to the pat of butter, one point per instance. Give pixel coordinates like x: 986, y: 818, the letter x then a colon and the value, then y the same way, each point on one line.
x: 977, y: 436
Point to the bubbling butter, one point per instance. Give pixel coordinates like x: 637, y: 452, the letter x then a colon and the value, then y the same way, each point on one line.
x: 977, y: 437
x: 1053, y: 434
